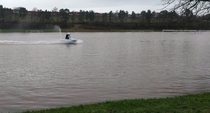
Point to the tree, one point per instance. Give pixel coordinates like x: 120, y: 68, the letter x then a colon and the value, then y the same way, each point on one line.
x: 164, y: 17
x: 82, y: 16
x: 122, y: 15
x: 104, y: 17
x: 110, y: 16
x: 21, y: 11
x: 92, y: 16
x: 143, y: 15
x: 47, y: 15
x: 64, y: 13
x: 188, y: 13
x: 187, y: 17
x: 55, y: 9
x: 133, y: 16
x: 1, y: 13
x: 148, y: 16
x: 86, y: 16
x: 55, y: 14
x: 8, y: 14
x: 41, y: 16
x: 34, y: 14
x: 197, y: 6
x: 73, y: 16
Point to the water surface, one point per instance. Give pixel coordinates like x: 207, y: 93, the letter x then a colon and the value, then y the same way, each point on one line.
x: 38, y: 72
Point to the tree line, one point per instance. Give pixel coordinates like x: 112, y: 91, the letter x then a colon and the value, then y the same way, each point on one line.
x: 21, y: 18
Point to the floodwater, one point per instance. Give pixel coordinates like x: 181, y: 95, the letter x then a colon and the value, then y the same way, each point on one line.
x: 39, y: 72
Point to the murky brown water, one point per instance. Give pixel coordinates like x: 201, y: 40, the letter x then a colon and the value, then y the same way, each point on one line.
x: 37, y: 71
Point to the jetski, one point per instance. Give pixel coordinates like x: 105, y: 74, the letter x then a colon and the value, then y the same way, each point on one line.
x: 69, y: 41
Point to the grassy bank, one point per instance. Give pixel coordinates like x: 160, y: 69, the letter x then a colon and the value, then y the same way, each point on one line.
x: 197, y: 103
x: 78, y: 28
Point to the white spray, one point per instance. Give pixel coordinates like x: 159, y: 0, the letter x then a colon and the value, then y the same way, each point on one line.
x: 57, y: 28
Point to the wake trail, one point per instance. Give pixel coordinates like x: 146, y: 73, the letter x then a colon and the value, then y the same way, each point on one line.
x: 11, y: 42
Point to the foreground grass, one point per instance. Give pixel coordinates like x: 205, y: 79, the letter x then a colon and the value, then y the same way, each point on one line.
x: 197, y: 103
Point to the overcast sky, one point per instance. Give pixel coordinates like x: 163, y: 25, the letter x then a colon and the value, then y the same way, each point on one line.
x: 95, y: 5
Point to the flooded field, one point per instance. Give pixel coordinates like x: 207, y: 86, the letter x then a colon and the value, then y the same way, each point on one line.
x: 37, y: 71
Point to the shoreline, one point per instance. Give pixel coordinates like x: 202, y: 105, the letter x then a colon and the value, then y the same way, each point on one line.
x: 94, y: 30
x: 193, y: 103
x: 69, y: 30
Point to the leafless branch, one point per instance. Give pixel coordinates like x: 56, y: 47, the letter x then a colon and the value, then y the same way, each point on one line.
x: 196, y: 6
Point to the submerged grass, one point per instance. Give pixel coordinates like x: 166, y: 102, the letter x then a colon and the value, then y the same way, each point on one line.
x: 196, y: 103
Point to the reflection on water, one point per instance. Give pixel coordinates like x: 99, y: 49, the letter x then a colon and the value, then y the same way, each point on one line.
x: 107, y: 66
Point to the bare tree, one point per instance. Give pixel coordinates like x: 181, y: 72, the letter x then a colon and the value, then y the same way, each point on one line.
x: 196, y: 6
x: 55, y: 9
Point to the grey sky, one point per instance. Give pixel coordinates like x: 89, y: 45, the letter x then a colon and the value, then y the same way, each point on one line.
x: 95, y: 5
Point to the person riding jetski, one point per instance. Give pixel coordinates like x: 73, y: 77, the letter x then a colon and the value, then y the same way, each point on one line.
x: 68, y: 36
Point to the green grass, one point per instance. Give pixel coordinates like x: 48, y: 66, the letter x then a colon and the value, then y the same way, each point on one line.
x: 196, y: 103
